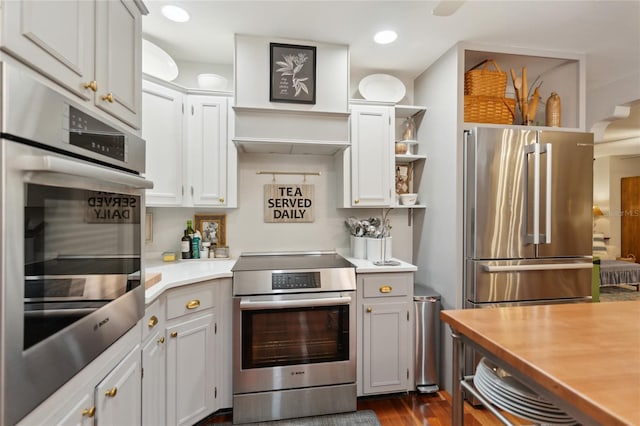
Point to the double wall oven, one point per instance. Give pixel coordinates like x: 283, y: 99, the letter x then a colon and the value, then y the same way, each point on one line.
x: 72, y: 214
x: 294, y: 343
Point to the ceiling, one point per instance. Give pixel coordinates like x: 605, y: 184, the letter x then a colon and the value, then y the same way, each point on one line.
x: 606, y: 31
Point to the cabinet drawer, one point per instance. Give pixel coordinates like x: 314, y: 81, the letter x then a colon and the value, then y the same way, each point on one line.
x: 153, y: 318
x: 387, y: 285
x: 189, y: 299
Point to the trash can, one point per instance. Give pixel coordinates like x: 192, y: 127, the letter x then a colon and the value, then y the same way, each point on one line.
x: 426, y: 304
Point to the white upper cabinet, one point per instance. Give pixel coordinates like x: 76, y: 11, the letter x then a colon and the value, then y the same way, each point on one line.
x: 91, y: 48
x: 162, y: 129
x: 371, y: 156
x: 206, y: 159
x: 118, y: 58
x: 190, y: 157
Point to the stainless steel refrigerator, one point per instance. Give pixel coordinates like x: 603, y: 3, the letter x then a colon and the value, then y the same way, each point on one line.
x: 528, y: 216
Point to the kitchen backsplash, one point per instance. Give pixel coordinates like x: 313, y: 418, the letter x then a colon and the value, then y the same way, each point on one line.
x: 245, y: 226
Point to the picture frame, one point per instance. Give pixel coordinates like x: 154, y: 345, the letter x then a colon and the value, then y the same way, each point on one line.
x: 212, y: 227
x: 292, y: 73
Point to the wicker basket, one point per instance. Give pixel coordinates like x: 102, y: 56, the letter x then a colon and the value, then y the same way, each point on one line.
x: 489, y: 109
x: 485, y: 82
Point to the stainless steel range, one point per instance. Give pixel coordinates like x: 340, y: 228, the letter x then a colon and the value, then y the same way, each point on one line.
x: 294, y: 343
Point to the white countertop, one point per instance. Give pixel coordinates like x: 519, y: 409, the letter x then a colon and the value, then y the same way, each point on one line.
x: 364, y: 266
x: 181, y: 272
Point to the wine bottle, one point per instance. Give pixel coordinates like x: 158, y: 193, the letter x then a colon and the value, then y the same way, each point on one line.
x: 185, y: 245
x: 190, y: 232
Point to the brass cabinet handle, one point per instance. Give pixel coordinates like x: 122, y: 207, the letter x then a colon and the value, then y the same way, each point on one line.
x: 356, y: 201
x: 161, y: 340
x: 93, y: 85
x: 153, y: 321
x: 192, y: 304
x: 386, y: 289
x: 108, y: 97
x: 221, y: 199
x: 111, y: 392
x: 369, y: 309
x: 174, y: 334
x: 89, y: 412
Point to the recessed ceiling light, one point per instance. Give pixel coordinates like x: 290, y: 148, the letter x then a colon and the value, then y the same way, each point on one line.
x: 175, y: 13
x: 385, y: 37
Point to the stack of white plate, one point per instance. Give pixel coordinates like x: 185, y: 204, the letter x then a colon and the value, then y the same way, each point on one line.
x: 507, y: 393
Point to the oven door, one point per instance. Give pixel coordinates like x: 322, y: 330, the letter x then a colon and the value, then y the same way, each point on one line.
x: 293, y: 341
x: 71, y: 266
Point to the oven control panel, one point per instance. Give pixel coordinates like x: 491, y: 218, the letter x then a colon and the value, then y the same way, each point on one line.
x: 294, y: 280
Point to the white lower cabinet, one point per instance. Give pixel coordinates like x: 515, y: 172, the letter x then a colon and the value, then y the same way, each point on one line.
x: 154, y: 399
x: 385, y: 345
x: 118, y: 396
x: 106, y: 392
x: 185, y: 361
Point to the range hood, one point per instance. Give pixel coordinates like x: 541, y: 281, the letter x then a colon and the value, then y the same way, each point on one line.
x: 281, y: 131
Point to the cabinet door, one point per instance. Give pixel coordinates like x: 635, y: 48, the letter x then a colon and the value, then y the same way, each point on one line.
x: 119, y: 60
x: 55, y: 37
x: 371, y: 155
x: 206, y: 160
x: 190, y: 371
x: 386, y: 343
x: 76, y: 411
x: 162, y: 129
x: 118, y: 396
x: 154, y: 380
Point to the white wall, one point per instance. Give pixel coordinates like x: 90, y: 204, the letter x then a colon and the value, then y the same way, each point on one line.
x: 438, y: 242
x: 246, y: 230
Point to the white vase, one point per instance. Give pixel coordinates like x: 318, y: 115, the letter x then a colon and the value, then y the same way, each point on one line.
x: 374, y: 249
x: 358, y: 247
x: 378, y: 249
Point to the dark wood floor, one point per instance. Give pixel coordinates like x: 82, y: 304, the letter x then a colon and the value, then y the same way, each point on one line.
x: 411, y: 409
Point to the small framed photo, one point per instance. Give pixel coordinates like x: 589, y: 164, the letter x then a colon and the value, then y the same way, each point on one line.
x: 212, y: 227
x: 293, y: 73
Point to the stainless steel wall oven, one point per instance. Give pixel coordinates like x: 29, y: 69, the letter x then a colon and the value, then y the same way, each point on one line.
x: 294, y: 341
x: 72, y: 214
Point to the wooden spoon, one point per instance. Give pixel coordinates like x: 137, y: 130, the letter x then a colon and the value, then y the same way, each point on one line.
x: 525, y: 96
x: 517, y: 85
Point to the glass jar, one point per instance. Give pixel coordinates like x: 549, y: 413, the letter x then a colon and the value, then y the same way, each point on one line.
x: 409, y: 129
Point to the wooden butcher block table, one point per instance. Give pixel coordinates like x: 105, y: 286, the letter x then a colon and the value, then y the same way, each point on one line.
x: 583, y: 357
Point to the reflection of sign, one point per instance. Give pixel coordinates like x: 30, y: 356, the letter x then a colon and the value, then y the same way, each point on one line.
x: 105, y: 207
x: 288, y: 203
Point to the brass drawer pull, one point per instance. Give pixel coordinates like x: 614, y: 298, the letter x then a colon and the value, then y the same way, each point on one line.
x: 111, y: 392
x: 161, y: 340
x: 89, y: 412
x: 192, y: 304
x: 369, y: 309
x: 93, y: 85
x: 108, y: 97
x: 386, y: 289
x: 153, y: 321
x: 174, y: 334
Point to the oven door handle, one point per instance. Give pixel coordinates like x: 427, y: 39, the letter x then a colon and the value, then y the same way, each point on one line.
x: 49, y: 163
x: 248, y: 304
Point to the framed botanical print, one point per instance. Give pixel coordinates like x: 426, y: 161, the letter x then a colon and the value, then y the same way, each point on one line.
x: 293, y: 73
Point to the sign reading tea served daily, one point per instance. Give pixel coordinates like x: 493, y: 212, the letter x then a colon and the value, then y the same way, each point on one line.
x: 105, y: 207
x: 288, y: 203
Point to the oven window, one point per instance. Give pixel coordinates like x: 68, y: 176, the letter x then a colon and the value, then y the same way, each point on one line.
x: 279, y: 337
x: 81, y: 251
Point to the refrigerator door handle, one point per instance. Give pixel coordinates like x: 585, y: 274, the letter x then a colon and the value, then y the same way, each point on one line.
x: 535, y: 150
x: 536, y: 267
x: 546, y: 148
